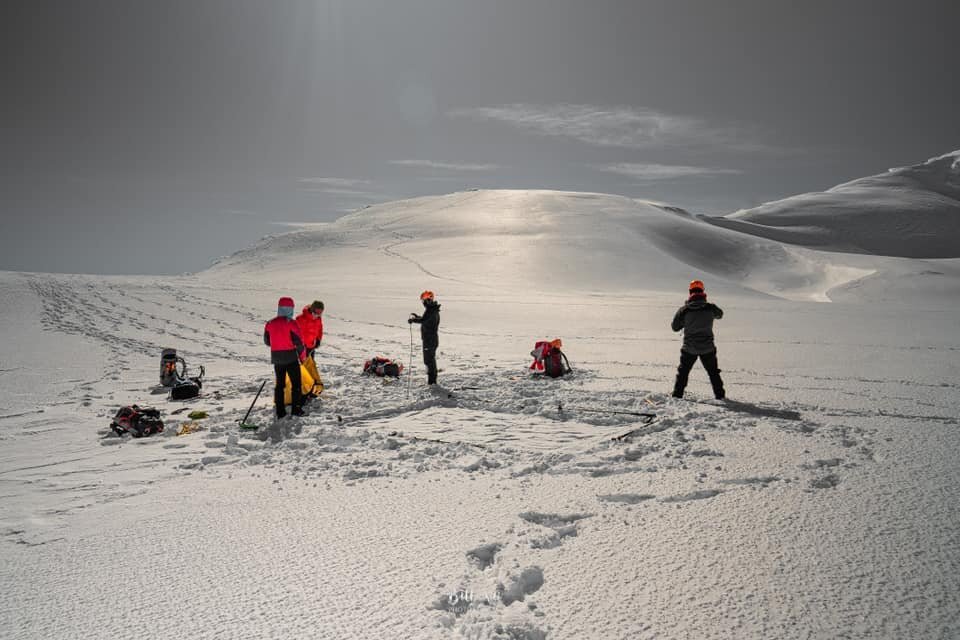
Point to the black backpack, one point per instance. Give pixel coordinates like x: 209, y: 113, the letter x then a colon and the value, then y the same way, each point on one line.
x: 137, y: 421
x: 556, y: 364
x: 186, y: 388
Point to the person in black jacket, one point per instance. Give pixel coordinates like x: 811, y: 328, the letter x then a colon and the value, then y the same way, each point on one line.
x: 696, y: 318
x: 429, y: 327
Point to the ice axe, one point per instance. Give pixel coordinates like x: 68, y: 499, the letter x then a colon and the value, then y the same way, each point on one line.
x: 243, y: 423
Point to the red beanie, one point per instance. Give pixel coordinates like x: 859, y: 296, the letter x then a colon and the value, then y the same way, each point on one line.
x: 285, y: 302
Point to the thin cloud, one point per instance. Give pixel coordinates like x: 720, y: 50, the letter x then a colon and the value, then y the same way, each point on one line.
x: 347, y: 187
x: 445, y: 166
x: 653, y: 172
x: 617, y: 126
x: 240, y: 212
x: 350, y: 193
x: 333, y: 182
x: 300, y: 225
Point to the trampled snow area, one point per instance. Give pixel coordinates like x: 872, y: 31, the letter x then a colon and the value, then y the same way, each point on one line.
x: 820, y: 502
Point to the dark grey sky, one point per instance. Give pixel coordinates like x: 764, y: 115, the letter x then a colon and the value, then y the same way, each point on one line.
x: 150, y: 137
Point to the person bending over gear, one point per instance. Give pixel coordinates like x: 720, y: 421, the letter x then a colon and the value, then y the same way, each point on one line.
x: 287, y: 351
x: 696, y: 318
x: 310, y: 322
x: 429, y: 326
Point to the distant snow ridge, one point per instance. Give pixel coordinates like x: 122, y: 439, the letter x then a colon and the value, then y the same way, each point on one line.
x: 910, y: 212
x: 552, y: 240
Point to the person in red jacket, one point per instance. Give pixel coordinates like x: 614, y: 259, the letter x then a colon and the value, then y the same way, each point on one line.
x: 282, y: 335
x: 310, y: 321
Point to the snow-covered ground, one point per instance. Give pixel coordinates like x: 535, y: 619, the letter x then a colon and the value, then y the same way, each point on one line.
x: 819, y: 503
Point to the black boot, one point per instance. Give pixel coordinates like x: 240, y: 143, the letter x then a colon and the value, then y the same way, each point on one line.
x: 718, y: 391
x: 713, y: 370
x: 683, y: 373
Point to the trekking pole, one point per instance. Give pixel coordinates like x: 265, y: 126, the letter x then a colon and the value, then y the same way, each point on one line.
x: 257, y: 397
x: 410, y: 367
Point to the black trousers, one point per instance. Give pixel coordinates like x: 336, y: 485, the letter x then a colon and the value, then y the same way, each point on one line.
x: 430, y: 359
x: 283, y: 371
x: 709, y: 360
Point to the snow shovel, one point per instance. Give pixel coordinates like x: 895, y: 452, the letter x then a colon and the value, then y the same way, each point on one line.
x: 243, y: 423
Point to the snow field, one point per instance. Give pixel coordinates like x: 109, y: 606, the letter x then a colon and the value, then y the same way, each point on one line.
x: 819, y: 502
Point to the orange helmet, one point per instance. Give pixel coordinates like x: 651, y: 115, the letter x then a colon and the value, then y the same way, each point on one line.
x: 426, y: 295
x: 697, y: 284
x: 556, y: 344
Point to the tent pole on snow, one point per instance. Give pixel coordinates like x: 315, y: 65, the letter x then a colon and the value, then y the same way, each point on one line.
x: 648, y: 417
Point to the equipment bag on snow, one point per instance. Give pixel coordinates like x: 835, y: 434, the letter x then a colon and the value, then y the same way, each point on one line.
x: 548, y: 358
x: 137, y: 421
x: 186, y: 388
x: 310, y: 384
x: 173, y: 374
x: 172, y: 367
x: 382, y: 367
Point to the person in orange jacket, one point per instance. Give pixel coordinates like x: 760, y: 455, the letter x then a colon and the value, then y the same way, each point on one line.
x: 310, y: 322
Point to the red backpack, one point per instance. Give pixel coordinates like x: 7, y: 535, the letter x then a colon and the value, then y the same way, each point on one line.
x: 383, y: 367
x: 137, y: 421
x: 548, y: 358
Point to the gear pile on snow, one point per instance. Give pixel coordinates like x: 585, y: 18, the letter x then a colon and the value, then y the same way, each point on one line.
x: 137, y: 421
x: 382, y: 367
x: 549, y: 359
x: 173, y: 374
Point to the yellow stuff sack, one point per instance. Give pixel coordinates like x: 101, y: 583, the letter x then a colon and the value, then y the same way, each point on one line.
x: 310, y: 384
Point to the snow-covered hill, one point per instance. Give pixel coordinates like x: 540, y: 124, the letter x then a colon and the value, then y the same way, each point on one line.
x: 545, y: 241
x: 911, y: 212
x: 819, y: 502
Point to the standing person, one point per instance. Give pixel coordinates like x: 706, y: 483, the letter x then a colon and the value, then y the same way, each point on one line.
x: 696, y: 318
x: 282, y: 335
x: 310, y: 322
x: 429, y: 327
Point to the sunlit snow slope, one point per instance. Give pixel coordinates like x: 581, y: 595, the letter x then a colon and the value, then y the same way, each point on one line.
x: 548, y: 241
x: 911, y: 212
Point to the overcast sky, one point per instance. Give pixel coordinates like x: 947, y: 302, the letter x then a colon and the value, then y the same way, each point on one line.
x: 151, y: 137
